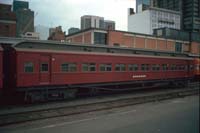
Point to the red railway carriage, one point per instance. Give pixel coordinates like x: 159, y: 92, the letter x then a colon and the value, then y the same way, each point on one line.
x: 197, y: 68
x: 44, y: 67
x: 1, y: 69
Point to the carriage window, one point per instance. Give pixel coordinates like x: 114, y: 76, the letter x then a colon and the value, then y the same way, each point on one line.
x: 173, y: 67
x: 155, y: 67
x: 164, y: 67
x: 28, y: 67
x: 120, y: 67
x: 68, y: 67
x: 44, y: 67
x: 88, y: 67
x: 145, y: 67
x: 132, y: 67
x: 191, y: 67
x: 105, y: 67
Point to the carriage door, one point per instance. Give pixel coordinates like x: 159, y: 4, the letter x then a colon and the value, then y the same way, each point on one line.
x: 45, y: 69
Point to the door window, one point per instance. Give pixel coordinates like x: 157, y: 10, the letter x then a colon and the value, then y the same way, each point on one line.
x: 44, y: 67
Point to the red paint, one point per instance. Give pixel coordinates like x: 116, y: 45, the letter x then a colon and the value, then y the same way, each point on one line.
x: 1, y: 68
x: 56, y: 77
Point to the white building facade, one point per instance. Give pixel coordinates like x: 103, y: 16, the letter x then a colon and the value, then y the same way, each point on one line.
x: 146, y: 21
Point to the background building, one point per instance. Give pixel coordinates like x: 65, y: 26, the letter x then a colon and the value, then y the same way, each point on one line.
x: 143, y: 3
x: 161, y: 42
x: 20, y: 5
x: 73, y: 30
x: 56, y: 34
x: 25, y: 17
x: 7, y: 21
x: 109, y: 25
x: 189, y: 11
x: 191, y: 15
x: 89, y: 21
x: 145, y: 22
x: 175, y: 5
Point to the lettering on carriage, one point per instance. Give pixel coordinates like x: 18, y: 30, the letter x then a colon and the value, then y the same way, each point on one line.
x: 139, y: 76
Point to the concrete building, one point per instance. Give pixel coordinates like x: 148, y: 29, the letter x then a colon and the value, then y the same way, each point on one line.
x: 90, y: 21
x: 145, y: 22
x: 7, y: 21
x: 191, y: 15
x: 175, y: 5
x: 25, y: 17
x: 117, y: 38
x: 109, y: 25
x: 43, y: 30
x: 56, y: 34
x: 140, y: 3
x: 73, y: 30
x: 20, y: 5
x: 189, y: 10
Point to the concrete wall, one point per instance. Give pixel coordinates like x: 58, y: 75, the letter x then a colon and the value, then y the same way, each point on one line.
x: 140, y: 22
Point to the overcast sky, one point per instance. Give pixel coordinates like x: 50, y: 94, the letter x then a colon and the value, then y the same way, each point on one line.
x: 67, y: 13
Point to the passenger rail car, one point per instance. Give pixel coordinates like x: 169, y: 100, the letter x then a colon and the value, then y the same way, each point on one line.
x: 1, y: 69
x: 42, y: 74
x: 197, y: 68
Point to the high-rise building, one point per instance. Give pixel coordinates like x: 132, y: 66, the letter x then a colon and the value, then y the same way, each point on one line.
x: 109, y: 25
x: 25, y: 17
x: 7, y: 21
x: 145, y: 22
x: 189, y: 9
x: 175, y: 5
x: 89, y: 21
x: 73, y: 30
x: 20, y: 5
x: 141, y: 3
x: 191, y: 15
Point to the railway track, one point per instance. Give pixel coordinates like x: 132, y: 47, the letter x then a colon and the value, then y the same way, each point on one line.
x: 39, y: 114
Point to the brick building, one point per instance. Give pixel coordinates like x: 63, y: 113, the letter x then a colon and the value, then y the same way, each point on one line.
x: 133, y: 40
x: 56, y: 34
x: 7, y: 21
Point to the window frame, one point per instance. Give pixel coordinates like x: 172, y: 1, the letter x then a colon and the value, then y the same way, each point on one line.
x: 89, y: 67
x: 25, y: 67
x: 69, y: 68
x: 44, y: 63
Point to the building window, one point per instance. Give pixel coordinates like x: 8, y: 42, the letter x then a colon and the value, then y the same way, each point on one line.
x: 28, y: 67
x: 105, y: 67
x: 88, y: 67
x: 178, y: 47
x: 44, y: 67
x: 68, y: 67
x: 132, y: 67
x: 120, y: 67
x: 145, y: 67
x: 100, y: 38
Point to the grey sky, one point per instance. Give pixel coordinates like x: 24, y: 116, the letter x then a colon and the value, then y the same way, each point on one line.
x: 67, y: 13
